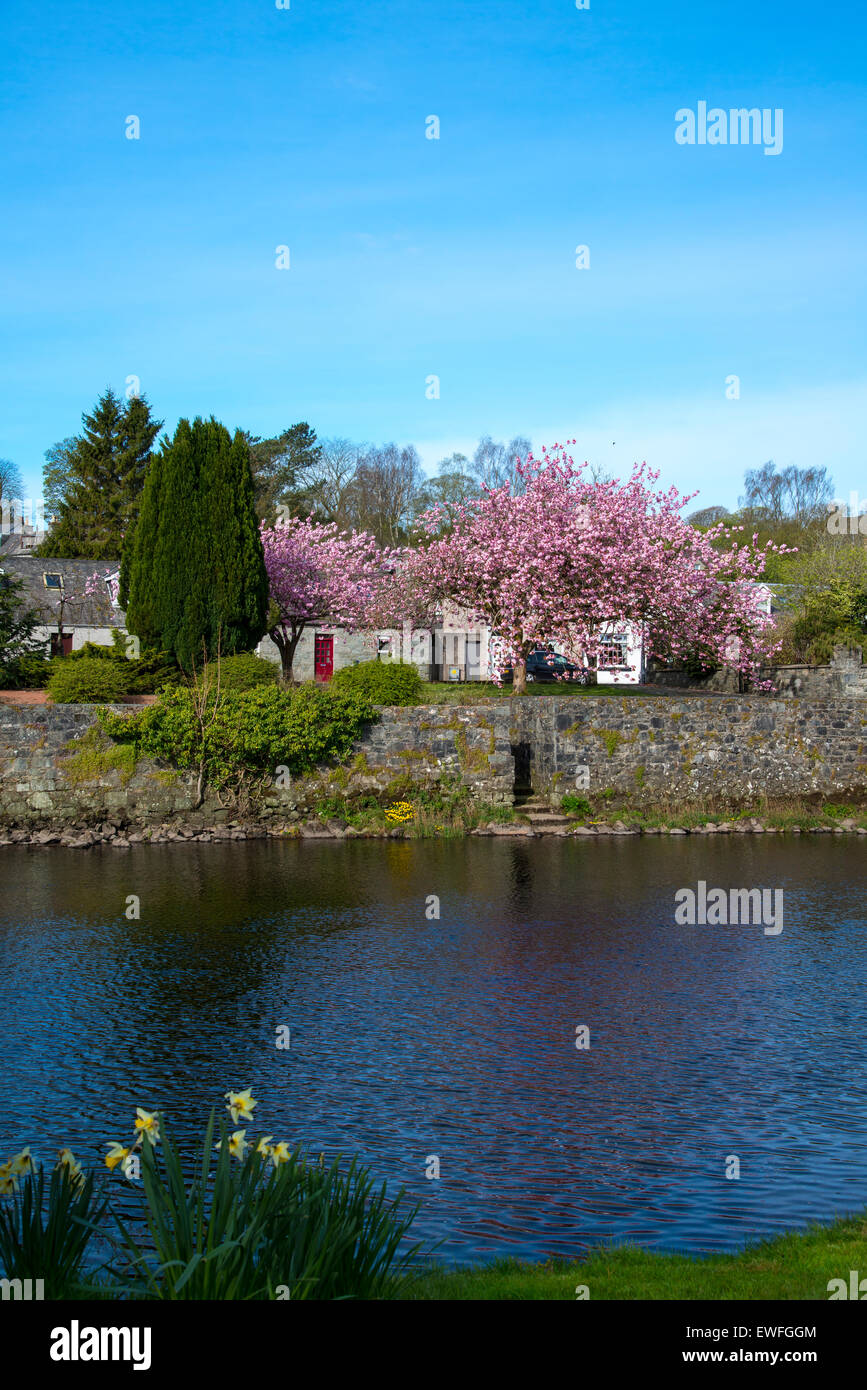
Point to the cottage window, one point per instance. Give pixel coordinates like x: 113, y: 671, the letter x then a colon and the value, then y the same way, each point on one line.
x: 53, y: 581
x: 612, y: 652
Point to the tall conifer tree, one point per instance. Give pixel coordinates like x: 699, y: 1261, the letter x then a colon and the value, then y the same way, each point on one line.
x: 107, y: 465
x: 194, y: 572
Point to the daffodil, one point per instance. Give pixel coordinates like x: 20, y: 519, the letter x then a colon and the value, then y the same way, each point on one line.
x: 237, y: 1144
x: 240, y: 1105
x: 118, y: 1154
x: 66, y: 1159
x: 280, y: 1153
x: 147, y: 1124
x: 8, y: 1180
x: 21, y: 1162
x: 264, y: 1145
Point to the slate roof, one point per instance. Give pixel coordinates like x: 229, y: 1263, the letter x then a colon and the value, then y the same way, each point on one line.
x: 87, y: 611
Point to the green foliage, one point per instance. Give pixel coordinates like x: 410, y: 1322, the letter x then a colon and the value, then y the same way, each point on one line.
x: 27, y: 672
x: 193, y: 572
x: 284, y: 470
x: 45, y: 1235
x: 97, y: 478
x: 575, y: 805
x: 244, y: 733
x: 93, y: 756
x: 831, y: 615
x: 382, y: 682
x: 141, y: 676
x: 240, y: 1229
x: 245, y: 672
x: 92, y: 680
x: 21, y: 658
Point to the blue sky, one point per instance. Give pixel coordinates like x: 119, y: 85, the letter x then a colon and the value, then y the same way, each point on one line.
x: 410, y: 257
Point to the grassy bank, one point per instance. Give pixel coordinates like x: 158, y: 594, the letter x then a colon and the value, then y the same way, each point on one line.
x: 797, y: 1266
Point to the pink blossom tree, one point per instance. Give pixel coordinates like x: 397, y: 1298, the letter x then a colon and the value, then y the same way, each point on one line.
x: 561, y: 558
x: 318, y: 572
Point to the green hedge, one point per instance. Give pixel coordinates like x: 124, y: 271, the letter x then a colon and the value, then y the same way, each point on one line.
x: 245, y: 672
x: 246, y: 732
x: 382, y: 682
x: 90, y: 680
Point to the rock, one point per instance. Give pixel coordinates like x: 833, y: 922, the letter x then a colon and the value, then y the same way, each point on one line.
x: 677, y: 831
x: 313, y: 830
x: 526, y: 831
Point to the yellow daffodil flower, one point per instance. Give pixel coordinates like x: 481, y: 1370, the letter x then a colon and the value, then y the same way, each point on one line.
x: 280, y: 1153
x: 147, y: 1124
x: 21, y: 1162
x: 117, y: 1155
x: 240, y: 1105
x: 237, y: 1144
x: 66, y: 1159
x: 264, y: 1145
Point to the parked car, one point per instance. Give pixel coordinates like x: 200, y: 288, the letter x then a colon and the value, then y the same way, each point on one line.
x: 544, y: 664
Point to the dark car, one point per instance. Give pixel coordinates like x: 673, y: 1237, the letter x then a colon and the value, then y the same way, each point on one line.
x: 544, y: 664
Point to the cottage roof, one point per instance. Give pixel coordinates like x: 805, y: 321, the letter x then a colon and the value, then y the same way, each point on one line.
x: 85, y: 610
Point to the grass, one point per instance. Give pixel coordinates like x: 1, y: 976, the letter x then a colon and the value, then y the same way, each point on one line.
x: 435, y: 814
x: 779, y: 813
x: 794, y: 1266
x: 481, y: 692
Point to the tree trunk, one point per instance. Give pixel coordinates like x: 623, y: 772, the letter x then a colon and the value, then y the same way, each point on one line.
x: 519, y: 677
x: 287, y: 646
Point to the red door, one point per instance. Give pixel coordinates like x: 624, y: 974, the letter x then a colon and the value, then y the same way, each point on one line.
x: 323, y: 656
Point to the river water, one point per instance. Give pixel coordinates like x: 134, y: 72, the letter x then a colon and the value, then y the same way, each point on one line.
x: 414, y: 1037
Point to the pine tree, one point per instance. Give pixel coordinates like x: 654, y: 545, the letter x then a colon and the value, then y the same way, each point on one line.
x: 193, y: 575
x: 107, y: 465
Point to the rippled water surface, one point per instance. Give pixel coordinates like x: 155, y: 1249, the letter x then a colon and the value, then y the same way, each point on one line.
x: 456, y: 1037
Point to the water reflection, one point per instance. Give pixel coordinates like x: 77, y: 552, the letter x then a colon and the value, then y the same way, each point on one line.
x: 456, y: 1037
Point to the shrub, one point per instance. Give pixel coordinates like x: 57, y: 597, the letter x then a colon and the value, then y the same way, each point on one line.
x: 245, y: 672
x: 91, y: 680
x: 28, y: 672
x: 382, y: 682
x: 575, y: 805
x: 96, y: 651
x: 241, y: 734
x: 142, y: 675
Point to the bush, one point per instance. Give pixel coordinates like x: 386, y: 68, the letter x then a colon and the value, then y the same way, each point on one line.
x: 245, y: 733
x: 382, y: 682
x: 90, y: 680
x: 96, y: 651
x: 245, y: 672
x: 28, y: 672
x: 142, y: 675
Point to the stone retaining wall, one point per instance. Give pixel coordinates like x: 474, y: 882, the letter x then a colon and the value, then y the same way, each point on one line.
x: 648, y: 747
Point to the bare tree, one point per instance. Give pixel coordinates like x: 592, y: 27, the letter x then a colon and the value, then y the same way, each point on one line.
x: 11, y: 484
x: 790, y: 494
x: 327, y: 485
x: 382, y: 495
x: 708, y: 516
x: 493, y: 464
